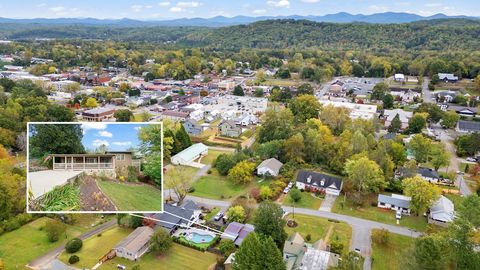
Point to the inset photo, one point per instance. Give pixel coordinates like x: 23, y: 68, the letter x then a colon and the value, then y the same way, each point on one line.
x: 94, y: 167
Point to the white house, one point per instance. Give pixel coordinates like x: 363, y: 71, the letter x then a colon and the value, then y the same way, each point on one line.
x: 313, y: 181
x: 399, y: 77
x: 447, y: 77
x: 363, y: 111
x: 189, y: 155
x: 269, y: 167
x: 135, y: 244
x: 441, y: 212
x: 396, y: 202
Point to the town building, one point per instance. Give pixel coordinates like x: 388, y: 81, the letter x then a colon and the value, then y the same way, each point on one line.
x: 192, y: 127
x: 362, y: 111
x: 188, y: 156
x: 98, y: 114
x: 228, y: 128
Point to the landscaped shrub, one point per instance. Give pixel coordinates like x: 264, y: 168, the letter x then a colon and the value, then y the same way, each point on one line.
x: 308, y: 237
x: 381, y: 237
x: 12, y: 224
x: 24, y: 218
x: 74, y: 245
x: 73, y: 259
x: 336, y: 246
x: 132, y: 173
x: 54, y: 229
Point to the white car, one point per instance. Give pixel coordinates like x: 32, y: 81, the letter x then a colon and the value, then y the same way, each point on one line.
x: 286, y: 190
x: 122, y: 267
x: 471, y: 159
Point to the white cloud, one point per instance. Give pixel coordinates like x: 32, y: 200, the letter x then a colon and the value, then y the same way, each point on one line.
x: 104, y: 133
x: 185, y: 6
x: 280, y: 3
x: 96, y: 126
x: 122, y: 143
x: 433, y: 5
x: 176, y: 9
x: 57, y: 9
x: 310, y: 1
x: 98, y: 142
x: 41, y: 5
x: 136, y: 8
x: 377, y: 8
x: 259, y: 11
x: 188, y: 4
x: 164, y: 4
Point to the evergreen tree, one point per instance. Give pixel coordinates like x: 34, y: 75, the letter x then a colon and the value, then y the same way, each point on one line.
x: 182, y: 138
x: 258, y: 253
x: 238, y: 91
x: 395, y: 125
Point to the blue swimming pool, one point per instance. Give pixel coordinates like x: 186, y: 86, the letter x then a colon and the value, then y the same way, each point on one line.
x: 199, y: 238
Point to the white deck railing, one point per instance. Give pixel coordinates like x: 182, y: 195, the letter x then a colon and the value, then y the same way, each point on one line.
x: 82, y: 166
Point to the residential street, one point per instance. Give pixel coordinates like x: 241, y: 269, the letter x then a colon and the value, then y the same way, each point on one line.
x: 426, y: 93
x: 45, y: 260
x: 361, y: 228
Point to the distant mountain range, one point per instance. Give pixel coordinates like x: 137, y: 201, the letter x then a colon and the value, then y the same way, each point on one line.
x: 342, y: 17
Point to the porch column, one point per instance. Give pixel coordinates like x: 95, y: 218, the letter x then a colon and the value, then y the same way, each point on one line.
x: 66, y: 160
x: 98, y: 158
x: 72, y: 163
x: 83, y: 162
x: 53, y: 163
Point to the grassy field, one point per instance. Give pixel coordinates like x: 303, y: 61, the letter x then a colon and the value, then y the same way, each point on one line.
x: 132, y: 197
x: 307, y: 201
x: 280, y: 82
x: 188, y: 170
x: 318, y: 228
x: 391, y: 255
x: 374, y: 213
x: 178, y: 258
x: 19, y: 247
x: 138, y: 117
x: 214, y: 186
x: 212, y: 155
x: 96, y: 246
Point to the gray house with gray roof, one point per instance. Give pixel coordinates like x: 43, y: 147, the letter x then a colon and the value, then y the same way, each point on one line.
x: 395, y: 202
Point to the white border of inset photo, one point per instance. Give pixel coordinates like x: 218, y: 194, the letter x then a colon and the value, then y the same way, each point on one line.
x: 93, y: 212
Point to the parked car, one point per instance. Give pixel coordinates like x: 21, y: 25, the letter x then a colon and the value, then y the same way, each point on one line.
x: 398, y: 215
x: 290, y: 185
x: 218, y: 216
x: 286, y: 190
x: 122, y: 267
x: 471, y: 159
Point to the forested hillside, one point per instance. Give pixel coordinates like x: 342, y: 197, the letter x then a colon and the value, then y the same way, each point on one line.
x: 426, y: 35
x: 445, y: 34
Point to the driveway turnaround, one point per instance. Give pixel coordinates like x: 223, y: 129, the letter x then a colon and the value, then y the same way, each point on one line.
x: 44, y: 181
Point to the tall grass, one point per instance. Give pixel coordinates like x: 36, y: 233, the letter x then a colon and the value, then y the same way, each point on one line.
x: 63, y: 198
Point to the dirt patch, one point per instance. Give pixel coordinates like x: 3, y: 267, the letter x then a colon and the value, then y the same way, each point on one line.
x: 92, y: 198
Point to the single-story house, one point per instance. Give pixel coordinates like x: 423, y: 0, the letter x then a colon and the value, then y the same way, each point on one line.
x: 98, y: 114
x: 124, y: 159
x: 192, y: 127
x: 174, y: 115
x: 468, y: 126
x: 237, y: 232
x: 463, y: 110
x: 174, y: 217
x: 404, y: 116
x: 441, y: 212
x: 395, y: 202
x: 228, y: 128
x: 189, y: 155
x: 297, y: 254
x: 399, y: 77
x: 135, y: 244
x: 428, y: 174
x: 313, y: 181
x: 269, y: 167
x: 88, y: 163
x: 448, y: 77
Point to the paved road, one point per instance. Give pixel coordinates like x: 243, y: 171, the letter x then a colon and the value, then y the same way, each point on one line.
x: 43, y: 261
x: 427, y: 94
x: 226, y: 149
x: 324, y: 88
x: 361, y: 228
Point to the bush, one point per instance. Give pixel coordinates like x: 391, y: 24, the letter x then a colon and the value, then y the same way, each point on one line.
x: 24, y: 218
x: 336, y: 247
x: 54, y: 229
x: 381, y: 237
x: 227, y: 247
x: 73, y: 259
x: 161, y: 242
x: 132, y: 173
x: 295, y: 195
x: 12, y: 224
x: 74, y: 245
x: 308, y: 237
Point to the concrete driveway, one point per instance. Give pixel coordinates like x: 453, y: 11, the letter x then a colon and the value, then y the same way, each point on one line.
x: 44, y: 181
x: 327, y: 203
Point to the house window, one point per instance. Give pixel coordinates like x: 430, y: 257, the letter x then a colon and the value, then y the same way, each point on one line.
x: 91, y: 160
x: 120, y: 156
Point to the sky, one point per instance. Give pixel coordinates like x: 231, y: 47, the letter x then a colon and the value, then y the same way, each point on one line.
x: 169, y: 9
x: 117, y: 137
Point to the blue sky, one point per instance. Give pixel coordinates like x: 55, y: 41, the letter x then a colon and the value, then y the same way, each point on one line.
x: 168, y: 9
x: 117, y: 137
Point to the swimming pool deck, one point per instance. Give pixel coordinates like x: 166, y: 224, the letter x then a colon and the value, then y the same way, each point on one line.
x: 44, y: 181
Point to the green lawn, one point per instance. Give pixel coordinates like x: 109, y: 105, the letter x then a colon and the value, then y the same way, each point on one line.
x: 391, y: 255
x: 318, y: 227
x: 214, y: 186
x: 178, y: 258
x: 212, y: 155
x: 307, y: 201
x: 19, y: 247
x: 280, y: 82
x: 138, y: 117
x: 374, y: 213
x: 132, y: 197
x: 212, y: 213
x: 96, y: 246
